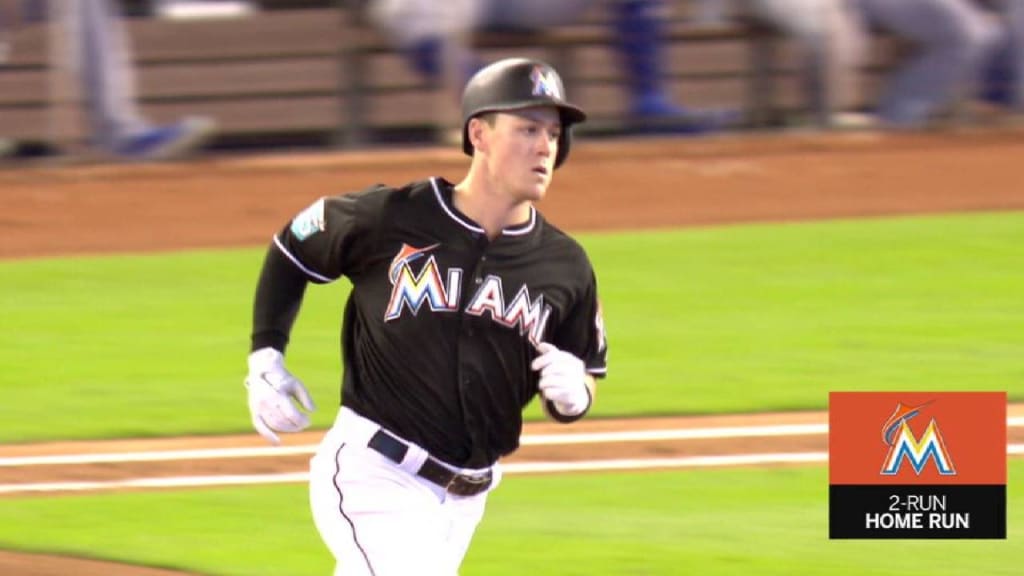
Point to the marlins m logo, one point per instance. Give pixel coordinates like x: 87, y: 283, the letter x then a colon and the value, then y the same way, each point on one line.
x: 412, y: 290
x: 545, y: 83
x: 905, y: 446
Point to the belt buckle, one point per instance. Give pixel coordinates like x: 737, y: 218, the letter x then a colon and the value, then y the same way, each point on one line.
x: 468, y: 484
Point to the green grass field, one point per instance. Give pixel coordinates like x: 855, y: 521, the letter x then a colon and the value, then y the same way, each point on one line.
x: 743, y: 318
x: 709, y: 522
x: 740, y: 318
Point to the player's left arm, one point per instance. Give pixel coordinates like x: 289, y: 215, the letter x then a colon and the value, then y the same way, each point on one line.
x: 574, y: 359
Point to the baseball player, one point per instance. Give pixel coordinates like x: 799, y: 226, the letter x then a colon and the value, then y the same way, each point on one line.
x: 466, y: 303
x: 98, y: 52
x: 832, y: 42
x: 433, y: 36
x: 1003, y: 82
x: 954, y: 39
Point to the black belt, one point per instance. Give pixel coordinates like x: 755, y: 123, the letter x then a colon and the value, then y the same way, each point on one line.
x: 453, y: 482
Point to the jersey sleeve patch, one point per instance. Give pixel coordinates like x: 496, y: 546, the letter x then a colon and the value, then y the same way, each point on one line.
x: 309, y: 221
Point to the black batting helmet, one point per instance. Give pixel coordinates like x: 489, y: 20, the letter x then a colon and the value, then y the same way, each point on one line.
x: 515, y: 83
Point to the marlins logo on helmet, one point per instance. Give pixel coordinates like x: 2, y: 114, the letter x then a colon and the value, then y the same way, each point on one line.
x: 545, y: 83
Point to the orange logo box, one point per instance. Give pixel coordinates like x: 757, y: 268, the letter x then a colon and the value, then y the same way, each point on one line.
x: 917, y: 438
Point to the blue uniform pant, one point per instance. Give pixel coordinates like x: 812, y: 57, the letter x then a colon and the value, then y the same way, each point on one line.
x: 953, y: 39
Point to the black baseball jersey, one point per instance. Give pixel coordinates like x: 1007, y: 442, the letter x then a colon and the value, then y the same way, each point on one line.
x: 441, y: 324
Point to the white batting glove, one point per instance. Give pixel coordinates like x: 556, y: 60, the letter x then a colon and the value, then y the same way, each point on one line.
x: 271, y: 390
x: 562, y: 380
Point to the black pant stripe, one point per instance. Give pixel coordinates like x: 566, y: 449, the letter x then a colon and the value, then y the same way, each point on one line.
x: 341, y: 499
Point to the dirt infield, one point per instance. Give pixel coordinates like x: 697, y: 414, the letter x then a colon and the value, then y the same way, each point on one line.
x: 605, y: 185
x: 220, y: 202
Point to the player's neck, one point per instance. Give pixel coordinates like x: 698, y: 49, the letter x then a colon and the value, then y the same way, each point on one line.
x: 488, y: 207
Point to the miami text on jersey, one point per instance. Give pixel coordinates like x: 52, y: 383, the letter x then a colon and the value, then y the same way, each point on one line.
x: 412, y: 290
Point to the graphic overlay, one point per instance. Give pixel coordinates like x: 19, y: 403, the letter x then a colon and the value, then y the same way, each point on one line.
x: 917, y: 465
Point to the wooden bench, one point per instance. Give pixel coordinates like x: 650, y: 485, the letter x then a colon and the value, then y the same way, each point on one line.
x: 318, y: 76
x: 273, y: 74
x: 561, y: 46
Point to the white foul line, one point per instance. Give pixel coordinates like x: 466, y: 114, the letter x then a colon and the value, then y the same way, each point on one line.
x: 168, y: 482
x: 527, y: 440
x: 674, y: 434
x: 157, y: 456
x: 681, y: 462
x: 511, y: 468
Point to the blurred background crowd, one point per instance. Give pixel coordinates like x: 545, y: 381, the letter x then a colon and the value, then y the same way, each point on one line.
x: 141, y: 80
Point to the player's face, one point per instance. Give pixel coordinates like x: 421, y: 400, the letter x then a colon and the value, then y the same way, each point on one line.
x: 523, y: 150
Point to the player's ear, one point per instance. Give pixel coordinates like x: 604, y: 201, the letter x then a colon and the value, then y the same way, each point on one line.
x: 478, y: 129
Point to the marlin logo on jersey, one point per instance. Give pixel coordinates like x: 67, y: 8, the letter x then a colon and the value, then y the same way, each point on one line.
x: 411, y: 290
x: 905, y: 446
x: 545, y: 83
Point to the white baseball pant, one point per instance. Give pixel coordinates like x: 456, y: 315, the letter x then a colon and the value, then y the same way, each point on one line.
x: 379, y: 518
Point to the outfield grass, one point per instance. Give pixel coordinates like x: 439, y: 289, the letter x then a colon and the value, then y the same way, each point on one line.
x: 708, y: 522
x: 742, y: 318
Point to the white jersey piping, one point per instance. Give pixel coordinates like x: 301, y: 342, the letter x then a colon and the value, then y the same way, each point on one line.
x: 295, y: 261
x: 507, y: 232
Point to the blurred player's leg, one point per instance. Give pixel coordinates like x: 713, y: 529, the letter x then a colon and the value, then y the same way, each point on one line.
x: 952, y: 39
x: 640, y: 41
x: 832, y: 42
x: 1015, y: 54
x: 64, y: 97
x: 106, y: 71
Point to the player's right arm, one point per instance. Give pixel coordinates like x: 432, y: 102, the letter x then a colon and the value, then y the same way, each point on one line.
x: 318, y: 245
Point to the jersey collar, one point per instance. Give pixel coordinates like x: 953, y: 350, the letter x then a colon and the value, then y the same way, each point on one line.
x: 444, y: 199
